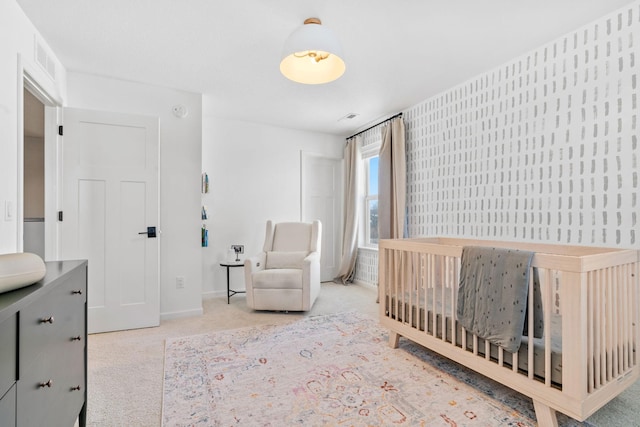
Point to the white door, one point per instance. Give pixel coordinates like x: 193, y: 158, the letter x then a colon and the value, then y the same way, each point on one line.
x: 322, y: 199
x: 110, y: 196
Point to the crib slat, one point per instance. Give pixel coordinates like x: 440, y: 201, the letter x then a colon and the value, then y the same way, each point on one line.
x: 413, y: 287
x: 443, y: 297
x: 530, y: 320
x: 427, y: 284
x: 454, y: 299
x: 609, y: 320
x: 626, y: 336
x: 463, y: 338
x: 628, y: 304
x: 547, y: 333
x: 598, y: 321
x: 602, y: 328
x: 434, y: 285
x: 617, y: 342
x: 421, y: 290
x: 635, y: 313
x: 591, y: 313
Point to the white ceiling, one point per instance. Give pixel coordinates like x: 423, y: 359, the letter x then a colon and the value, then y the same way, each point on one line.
x: 398, y: 53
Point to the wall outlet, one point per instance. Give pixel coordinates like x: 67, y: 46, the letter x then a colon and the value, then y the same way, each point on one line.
x: 180, y: 282
x: 239, y: 249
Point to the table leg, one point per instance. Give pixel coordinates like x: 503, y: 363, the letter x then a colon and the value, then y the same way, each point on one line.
x: 228, y: 291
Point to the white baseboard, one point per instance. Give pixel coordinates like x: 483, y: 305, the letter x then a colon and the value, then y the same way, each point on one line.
x: 180, y: 314
x: 214, y: 294
x: 365, y: 284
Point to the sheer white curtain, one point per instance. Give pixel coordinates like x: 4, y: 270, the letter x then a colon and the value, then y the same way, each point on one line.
x: 351, y: 207
x: 392, y: 181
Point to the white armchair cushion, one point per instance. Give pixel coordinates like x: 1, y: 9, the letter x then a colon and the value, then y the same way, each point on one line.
x: 279, y: 278
x: 277, y: 259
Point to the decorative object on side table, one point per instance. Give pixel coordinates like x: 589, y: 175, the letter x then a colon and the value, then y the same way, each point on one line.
x: 238, y: 249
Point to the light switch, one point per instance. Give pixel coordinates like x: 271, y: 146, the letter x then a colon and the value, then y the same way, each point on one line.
x: 8, y: 210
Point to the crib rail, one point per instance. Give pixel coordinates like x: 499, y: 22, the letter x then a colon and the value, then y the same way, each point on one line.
x: 611, y: 322
x: 590, y: 316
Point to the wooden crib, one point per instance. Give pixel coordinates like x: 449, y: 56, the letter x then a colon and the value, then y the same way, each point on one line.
x: 587, y: 354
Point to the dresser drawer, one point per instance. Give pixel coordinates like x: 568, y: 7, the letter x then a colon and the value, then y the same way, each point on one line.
x: 52, y: 323
x: 8, y: 353
x: 8, y: 408
x: 52, y: 391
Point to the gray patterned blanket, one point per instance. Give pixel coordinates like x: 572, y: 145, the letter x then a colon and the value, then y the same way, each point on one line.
x: 492, y: 297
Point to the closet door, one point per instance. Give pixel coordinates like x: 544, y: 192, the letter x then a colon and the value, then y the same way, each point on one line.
x: 321, y: 198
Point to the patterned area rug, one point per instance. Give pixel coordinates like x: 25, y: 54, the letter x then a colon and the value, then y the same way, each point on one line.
x: 327, y: 370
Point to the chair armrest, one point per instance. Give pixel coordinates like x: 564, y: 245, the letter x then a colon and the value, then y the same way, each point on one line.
x: 310, y: 278
x: 311, y: 267
x: 313, y: 256
x: 255, y: 263
x: 252, y: 265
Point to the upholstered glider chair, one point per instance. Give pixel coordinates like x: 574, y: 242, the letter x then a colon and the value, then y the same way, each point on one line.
x: 285, y: 276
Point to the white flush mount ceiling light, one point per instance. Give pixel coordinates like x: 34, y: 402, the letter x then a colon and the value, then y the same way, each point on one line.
x: 312, y: 54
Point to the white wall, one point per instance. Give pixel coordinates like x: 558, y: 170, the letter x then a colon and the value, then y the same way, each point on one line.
x: 180, y: 161
x: 254, y: 173
x: 18, y: 37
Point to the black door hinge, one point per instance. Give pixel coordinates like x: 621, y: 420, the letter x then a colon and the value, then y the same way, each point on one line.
x: 60, y: 130
x: 60, y: 216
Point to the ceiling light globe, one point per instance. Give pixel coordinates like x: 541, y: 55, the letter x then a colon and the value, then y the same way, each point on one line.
x: 312, y: 37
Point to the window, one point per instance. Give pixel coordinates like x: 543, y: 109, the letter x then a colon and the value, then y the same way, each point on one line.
x: 371, y: 201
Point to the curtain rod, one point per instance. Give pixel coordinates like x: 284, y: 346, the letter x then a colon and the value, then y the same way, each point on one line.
x: 378, y: 124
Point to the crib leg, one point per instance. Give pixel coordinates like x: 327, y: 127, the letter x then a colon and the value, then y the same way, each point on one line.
x: 394, y: 339
x: 545, y: 415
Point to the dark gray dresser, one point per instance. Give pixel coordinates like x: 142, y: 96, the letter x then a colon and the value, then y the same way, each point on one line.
x: 43, y: 349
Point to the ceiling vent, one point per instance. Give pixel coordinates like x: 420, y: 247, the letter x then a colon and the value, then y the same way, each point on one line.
x: 43, y: 59
x: 349, y: 116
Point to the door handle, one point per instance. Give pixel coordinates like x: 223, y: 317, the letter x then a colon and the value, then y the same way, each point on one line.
x: 151, y: 232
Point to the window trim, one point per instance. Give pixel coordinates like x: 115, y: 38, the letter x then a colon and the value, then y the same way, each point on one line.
x: 365, y: 242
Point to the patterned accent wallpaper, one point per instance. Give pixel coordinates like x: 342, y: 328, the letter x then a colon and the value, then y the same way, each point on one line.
x: 367, y: 266
x: 544, y: 148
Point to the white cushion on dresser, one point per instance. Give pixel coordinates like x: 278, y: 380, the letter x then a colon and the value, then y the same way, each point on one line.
x: 19, y: 270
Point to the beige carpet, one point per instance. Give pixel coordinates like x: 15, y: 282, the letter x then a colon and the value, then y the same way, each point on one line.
x: 126, y: 368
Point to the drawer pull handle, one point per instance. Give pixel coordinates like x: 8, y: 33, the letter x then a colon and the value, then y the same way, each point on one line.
x: 49, y: 320
x: 78, y: 292
x: 47, y: 384
x: 76, y: 388
x: 78, y: 338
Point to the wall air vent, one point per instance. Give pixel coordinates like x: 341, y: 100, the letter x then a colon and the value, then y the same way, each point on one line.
x: 43, y: 59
